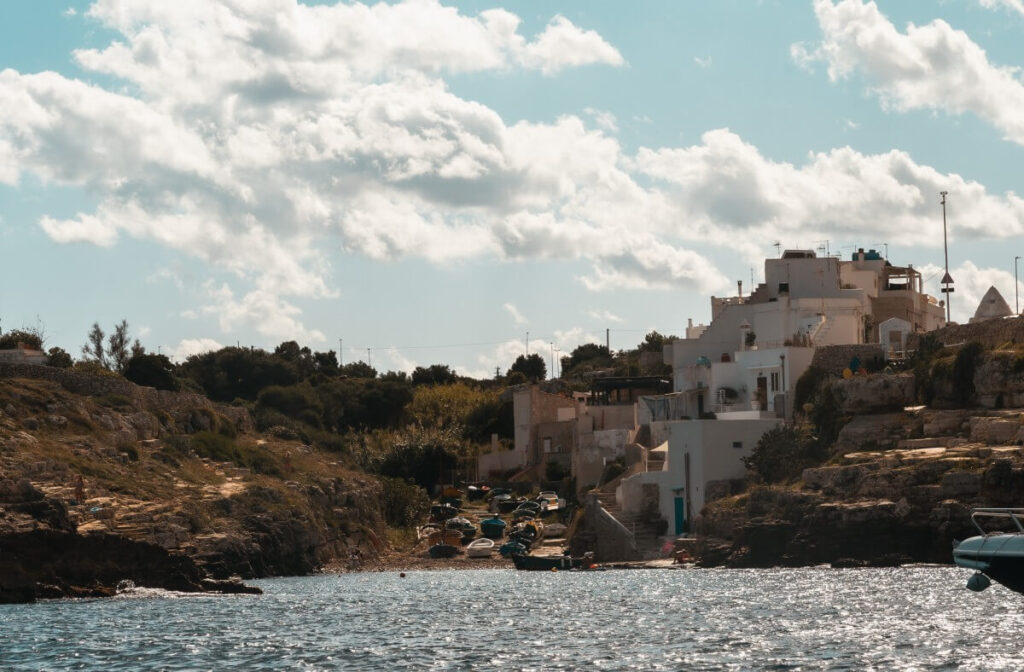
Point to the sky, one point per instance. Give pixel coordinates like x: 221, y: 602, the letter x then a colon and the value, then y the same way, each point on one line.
x: 421, y: 182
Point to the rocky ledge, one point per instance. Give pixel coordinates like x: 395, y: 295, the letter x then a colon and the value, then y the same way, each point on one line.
x: 903, y: 500
x: 42, y: 555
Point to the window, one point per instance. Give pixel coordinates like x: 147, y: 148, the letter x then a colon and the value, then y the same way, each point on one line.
x: 783, y: 288
x: 775, y: 381
x: 547, y: 445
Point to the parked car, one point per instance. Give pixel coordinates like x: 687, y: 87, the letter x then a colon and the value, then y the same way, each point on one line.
x: 550, y: 497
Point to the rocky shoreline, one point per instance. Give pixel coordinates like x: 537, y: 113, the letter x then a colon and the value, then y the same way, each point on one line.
x: 903, y: 501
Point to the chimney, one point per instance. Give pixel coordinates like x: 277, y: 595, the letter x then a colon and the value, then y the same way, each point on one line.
x: 739, y: 288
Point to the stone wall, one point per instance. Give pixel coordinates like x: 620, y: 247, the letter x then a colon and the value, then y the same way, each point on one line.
x: 990, y: 333
x: 834, y: 358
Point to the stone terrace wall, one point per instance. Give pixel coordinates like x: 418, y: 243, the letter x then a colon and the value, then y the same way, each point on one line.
x: 990, y: 333
x: 147, y: 398
x: 834, y: 358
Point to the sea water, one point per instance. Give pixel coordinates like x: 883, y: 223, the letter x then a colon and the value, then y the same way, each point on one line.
x: 912, y: 618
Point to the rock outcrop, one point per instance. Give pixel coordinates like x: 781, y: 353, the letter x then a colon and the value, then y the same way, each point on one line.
x: 164, y: 490
x: 42, y: 555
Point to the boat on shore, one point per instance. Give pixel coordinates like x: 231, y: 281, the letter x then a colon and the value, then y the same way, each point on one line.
x: 545, y: 563
x: 443, y: 551
x: 995, y: 555
x: 480, y: 548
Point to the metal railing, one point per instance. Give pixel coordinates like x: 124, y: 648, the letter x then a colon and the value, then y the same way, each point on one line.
x: 1013, y: 514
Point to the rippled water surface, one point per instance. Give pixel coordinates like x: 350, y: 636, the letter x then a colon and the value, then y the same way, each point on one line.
x: 918, y: 618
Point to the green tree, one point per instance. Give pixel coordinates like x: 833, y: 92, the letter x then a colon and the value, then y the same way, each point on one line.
x: 59, y: 359
x: 436, y: 374
x: 783, y: 453
x: 531, y: 366
x: 118, y: 347
x: 587, y: 357
x: 297, y: 402
x: 152, y: 371
x: 232, y: 373
x: 94, y: 351
x: 358, y: 369
x: 654, y: 342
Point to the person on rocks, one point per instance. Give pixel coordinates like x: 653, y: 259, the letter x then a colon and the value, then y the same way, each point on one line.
x: 79, y: 490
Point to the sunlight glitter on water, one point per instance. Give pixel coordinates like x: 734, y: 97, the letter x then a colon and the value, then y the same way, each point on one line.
x: 818, y: 618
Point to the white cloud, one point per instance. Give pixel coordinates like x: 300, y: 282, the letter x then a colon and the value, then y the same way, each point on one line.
x: 1013, y: 5
x: 144, y: 331
x: 563, y: 45
x: 730, y: 195
x: 604, y: 120
x: 262, y: 137
x: 703, y: 63
x: 396, y: 362
x: 192, y: 346
x: 517, y: 316
x: 70, y: 11
x: 189, y: 314
x: 970, y: 284
x: 262, y: 311
x: 604, y: 316
x: 933, y: 67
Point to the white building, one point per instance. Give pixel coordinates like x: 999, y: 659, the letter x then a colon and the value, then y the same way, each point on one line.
x: 756, y: 347
x: 700, y: 454
x: 743, y: 367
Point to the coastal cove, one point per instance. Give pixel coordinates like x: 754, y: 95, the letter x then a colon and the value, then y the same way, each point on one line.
x: 909, y: 618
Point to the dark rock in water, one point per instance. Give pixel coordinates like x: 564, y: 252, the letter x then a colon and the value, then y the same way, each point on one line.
x: 233, y: 586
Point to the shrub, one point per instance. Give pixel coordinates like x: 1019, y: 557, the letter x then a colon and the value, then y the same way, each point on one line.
x: 30, y: 338
x: 402, y: 503
x: 783, y: 453
x: 964, y: 365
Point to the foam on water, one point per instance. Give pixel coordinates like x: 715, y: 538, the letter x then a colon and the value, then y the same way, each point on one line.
x: 903, y: 619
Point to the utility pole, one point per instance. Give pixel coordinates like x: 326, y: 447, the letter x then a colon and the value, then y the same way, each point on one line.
x: 340, y: 350
x: 608, y: 340
x: 947, y: 279
x: 527, y: 344
x: 552, y: 344
x: 369, y: 357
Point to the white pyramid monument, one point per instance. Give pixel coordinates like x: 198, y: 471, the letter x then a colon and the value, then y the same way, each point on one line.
x: 992, y: 307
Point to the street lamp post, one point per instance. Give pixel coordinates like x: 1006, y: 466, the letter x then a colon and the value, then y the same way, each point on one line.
x: 947, y: 279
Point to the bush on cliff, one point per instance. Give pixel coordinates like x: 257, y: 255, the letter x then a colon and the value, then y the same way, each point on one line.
x: 783, y: 453
x: 402, y: 503
x: 152, y: 371
x: 29, y: 337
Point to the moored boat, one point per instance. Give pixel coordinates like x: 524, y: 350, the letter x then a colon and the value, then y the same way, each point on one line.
x: 542, y: 563
x: 493, y: 528
x: 994, y: 555
x: 443, y: 551
x: 480, y: 548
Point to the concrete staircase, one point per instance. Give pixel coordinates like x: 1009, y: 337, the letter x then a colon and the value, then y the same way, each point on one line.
x: 641, y: 525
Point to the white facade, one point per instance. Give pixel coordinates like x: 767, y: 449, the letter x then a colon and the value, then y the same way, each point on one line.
x: 757, y: 347
x: 699, y: 452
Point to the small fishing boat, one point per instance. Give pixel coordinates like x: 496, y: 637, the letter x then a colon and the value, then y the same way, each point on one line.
x: 508, y: 505
x: 493, y: 528
x: 480, y: 548
x: 996, y: 555
x: 510, y: 548
x: 443, y: 551
x: 540, y: 563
